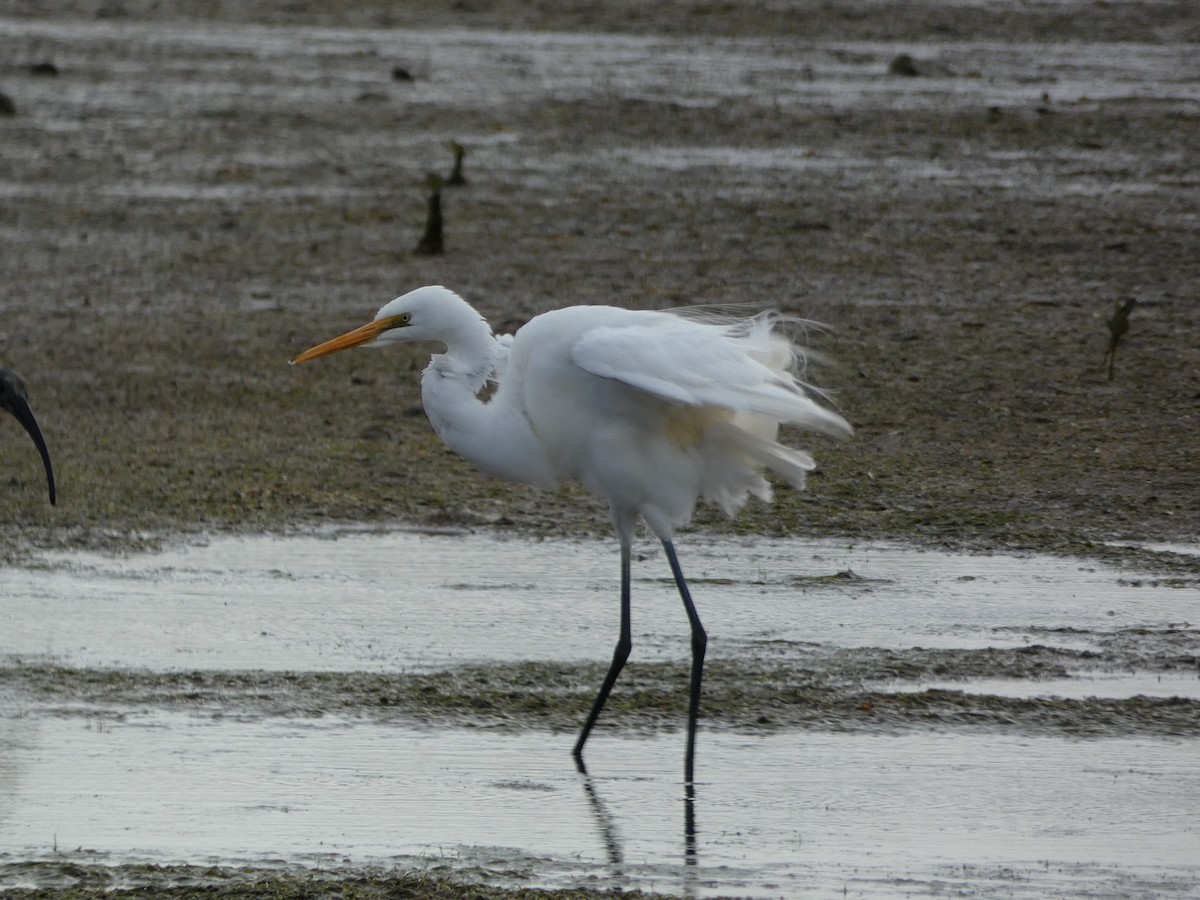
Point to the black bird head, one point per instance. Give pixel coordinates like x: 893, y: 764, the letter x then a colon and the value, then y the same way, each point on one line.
x: 14, y: 396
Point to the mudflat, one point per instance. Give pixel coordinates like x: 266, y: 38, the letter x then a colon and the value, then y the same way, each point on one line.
x: 189, y: 201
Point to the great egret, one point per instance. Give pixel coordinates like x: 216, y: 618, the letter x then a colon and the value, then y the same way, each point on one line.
x: 14, y: 396
x: 651, y: 410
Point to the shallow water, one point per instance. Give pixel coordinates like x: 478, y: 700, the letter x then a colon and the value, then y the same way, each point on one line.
x: 404, y: 600
x: 775, y: 813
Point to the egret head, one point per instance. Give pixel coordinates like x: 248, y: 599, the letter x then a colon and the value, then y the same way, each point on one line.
x: 427, y: 314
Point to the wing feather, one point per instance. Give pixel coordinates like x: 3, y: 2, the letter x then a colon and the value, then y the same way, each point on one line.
x: 741, y: 365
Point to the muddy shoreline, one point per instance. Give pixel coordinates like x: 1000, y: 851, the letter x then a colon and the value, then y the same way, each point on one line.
x: 825, y: 688
x: 191, y: 200
x: 172, y: 244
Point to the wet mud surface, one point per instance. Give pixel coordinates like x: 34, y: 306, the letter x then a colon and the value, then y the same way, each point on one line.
x: 818, y: 687
x: 191, y: 200
x: 79, y: 880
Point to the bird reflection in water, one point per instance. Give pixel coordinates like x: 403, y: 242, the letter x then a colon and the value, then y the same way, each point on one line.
x: 610, y: 836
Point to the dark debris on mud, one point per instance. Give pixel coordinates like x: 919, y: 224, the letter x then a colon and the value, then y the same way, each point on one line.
x: 784, y: 686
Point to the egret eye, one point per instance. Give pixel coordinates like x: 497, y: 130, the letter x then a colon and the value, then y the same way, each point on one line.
x: 398, y: 321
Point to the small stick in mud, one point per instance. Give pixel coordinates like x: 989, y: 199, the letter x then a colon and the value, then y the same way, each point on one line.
x: 456, y: 178
x: 1118, y: 325
x: 432, y: 243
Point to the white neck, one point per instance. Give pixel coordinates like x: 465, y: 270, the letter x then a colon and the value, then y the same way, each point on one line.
x: 493, y: 436
x: 469, y: 358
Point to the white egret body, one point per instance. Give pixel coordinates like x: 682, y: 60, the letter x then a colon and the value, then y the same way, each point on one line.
x: 653, y: 411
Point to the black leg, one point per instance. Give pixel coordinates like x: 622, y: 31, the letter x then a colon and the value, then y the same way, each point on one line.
x: 699, y: 643
x: 624, y: 645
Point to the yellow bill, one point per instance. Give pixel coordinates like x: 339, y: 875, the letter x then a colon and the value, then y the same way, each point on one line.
x: 355, y: 338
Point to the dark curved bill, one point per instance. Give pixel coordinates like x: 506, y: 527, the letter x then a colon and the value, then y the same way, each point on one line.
x: 19, y: 408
